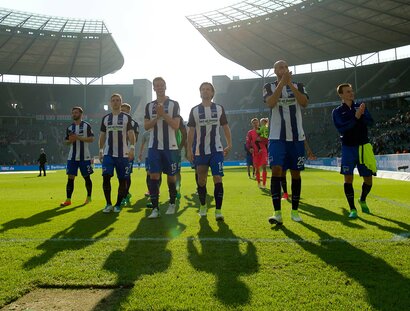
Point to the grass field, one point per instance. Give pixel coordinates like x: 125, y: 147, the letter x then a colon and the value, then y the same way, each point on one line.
x: 328, y: 262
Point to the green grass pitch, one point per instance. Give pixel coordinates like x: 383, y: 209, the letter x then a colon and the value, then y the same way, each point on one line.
x: 328, y: 262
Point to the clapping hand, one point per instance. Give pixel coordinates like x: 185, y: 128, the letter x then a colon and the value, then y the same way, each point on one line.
x: 287, y: 77
x: 360, y: 110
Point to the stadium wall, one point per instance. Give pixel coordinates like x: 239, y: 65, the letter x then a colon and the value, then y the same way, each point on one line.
x: 392, y: 166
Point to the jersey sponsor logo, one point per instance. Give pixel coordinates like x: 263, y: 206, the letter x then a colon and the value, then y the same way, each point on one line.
x: 286, y: 101
x: 115, y: 128
x: 212, y: 121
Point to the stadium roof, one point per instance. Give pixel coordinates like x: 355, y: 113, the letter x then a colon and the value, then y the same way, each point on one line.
x: 39, y: 45
x: 256, y: 33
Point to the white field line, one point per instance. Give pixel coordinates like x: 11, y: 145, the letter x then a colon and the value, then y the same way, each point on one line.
x: 405, y: 236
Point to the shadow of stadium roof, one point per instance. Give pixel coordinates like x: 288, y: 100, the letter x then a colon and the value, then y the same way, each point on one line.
x: 39, y: 45
x: 256, y: 33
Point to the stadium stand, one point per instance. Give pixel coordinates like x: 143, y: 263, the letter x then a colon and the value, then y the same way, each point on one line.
x: 376, y: 84
x: 42, y: 111
x: 372, y: 80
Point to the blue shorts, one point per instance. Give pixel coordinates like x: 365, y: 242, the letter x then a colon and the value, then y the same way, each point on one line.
x: 214, y: 160
x: 350, y: 159
x: 86, y: 168
x: 249, y: 160
x: 121, y: 167
x: 287, y: 154
x: 164, y: 161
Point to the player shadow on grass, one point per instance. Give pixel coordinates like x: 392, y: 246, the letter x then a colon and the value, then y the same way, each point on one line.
x: 137, y: 206
x: 398, y: 223
x: 39, y: 218
x: 81, y: 234
x: 225, y: 260
x: 386, y: 288
x: 193, y: 201
x: 145, y: 254
x: 393, y: 230
x: 327, y: 215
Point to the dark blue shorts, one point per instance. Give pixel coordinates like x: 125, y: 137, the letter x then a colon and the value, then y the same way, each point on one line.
x: 249, y: 160
x: 164, y: 161
x: 350, y: 159
x: 121, y: 167
x: 85, y: 167
x: 287, y: 154
x: 214, y: 160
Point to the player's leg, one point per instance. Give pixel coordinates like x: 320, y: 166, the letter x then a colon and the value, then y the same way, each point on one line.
x: 107, y: 173
x: 248, y: 164
x: 170, y: 164
x: 296, y: 187
x: 126, y: 201
x: 69, y: 190
x: 86, y: 171
x: 122, y: 169
x: 202, y: 167
x: 72, y: 168
x: 216, y: 164
x: 178, y: 175
x: 349, y: 193
x: 257, y: 164
x: 264, y: 176
x: 264, y: 163
x: 295, y: 155
x: 350, y: 156
x: 193, y: 166
x: 202, y: 171
x: 277, y: 152
x: 155, y: 169
x: 284, y: 185
x: 366, y: 187
x: 147, y: 179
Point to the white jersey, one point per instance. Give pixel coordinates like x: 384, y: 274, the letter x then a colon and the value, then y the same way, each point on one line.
x: 207, y: 122
x: 79, y: 150
x: 162, y: 135
x: 286, y: 116
x: 116, y: 128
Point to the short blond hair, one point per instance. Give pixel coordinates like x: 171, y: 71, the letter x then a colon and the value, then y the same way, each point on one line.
x: 126, y: 105
x: 340, y: 87
x: 116, y: 95
x: 156, y: 79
